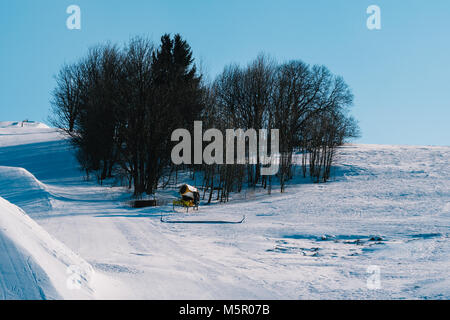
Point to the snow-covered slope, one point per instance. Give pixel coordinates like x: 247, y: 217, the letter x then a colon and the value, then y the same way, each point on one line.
x: 23, y: 124
x: 20, y: 186
x: 34, y: 265
x: 24, y: 132
x: 387, y: 208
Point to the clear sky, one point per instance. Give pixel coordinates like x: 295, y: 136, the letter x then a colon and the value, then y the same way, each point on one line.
x: 400, y: 75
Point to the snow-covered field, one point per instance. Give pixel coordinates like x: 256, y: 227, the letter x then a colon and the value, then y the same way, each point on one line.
x: 388, y: 209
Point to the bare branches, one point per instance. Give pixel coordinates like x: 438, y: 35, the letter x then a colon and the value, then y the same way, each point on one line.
x: 120, y: 106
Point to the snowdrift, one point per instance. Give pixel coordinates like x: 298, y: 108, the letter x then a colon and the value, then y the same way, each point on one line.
x: 19, y: 186
x: 34, y: 265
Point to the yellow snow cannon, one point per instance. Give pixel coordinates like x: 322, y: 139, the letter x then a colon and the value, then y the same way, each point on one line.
x: 190, y: 198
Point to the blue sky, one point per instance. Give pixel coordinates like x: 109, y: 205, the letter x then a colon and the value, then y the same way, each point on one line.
x: 400, y: 75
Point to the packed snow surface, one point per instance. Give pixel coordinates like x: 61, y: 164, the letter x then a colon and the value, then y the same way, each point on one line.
x: 387, y: 209
x: 34, y: 265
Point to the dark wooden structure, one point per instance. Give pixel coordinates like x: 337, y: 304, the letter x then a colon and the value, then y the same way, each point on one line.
x: 143, y: 203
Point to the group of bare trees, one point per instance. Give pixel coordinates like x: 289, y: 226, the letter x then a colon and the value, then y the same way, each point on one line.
x: 308, y: 104
x: 120, y: 105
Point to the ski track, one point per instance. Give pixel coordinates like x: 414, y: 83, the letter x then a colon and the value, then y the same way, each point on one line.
x: 18, y: 274
x: 387, y: 206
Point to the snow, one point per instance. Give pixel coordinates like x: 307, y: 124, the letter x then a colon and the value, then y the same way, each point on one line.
x: 388, y: 206
x: 25, y: 132
x: 23, y: 124
x: 34, y: 264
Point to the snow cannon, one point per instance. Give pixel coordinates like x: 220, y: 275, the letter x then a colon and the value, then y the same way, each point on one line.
x: 189, y: 192
x: 190, y: 198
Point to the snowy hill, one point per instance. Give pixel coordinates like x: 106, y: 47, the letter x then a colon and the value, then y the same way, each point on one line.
x: 25, y: 132
x: 388, y: 207
x: 22, y: 124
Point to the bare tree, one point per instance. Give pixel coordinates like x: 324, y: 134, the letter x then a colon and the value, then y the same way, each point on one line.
x: 65, y: 102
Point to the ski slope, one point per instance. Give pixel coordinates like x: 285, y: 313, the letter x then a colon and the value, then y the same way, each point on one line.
x: 388, y: 206
x: 34, y: 264
x: 23, y: 132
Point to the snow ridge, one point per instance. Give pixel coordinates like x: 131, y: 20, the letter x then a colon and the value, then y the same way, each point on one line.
x: 31, y: 253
